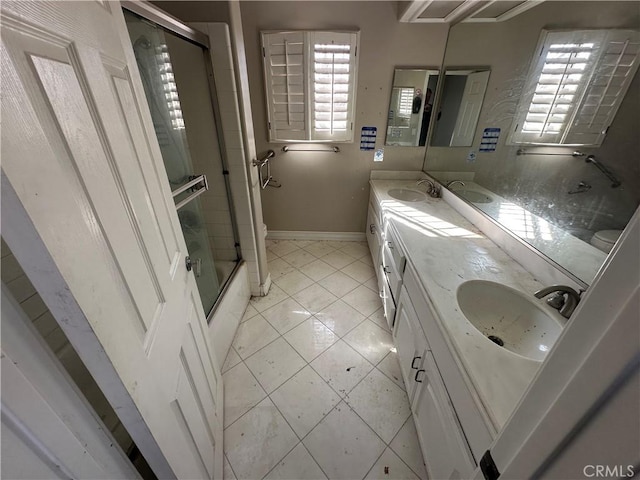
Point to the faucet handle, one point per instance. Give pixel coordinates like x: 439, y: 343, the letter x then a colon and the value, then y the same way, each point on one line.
x: 556, y: 300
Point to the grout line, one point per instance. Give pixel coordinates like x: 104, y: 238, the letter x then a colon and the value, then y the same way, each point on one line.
x: 308, y: 363
x: 376, y: 461
x: 419, y: 449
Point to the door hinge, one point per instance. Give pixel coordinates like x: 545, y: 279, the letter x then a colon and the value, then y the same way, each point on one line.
x: 488, y: 467
x: 225, y: 172
x: 269, y: 125
x: 264, y: 54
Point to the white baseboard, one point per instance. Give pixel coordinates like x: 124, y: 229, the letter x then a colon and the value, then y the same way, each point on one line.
x: 335, y: 236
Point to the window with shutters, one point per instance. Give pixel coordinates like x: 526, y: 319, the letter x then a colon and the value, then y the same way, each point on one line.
x: 575, y: 86
x: 310, y: 80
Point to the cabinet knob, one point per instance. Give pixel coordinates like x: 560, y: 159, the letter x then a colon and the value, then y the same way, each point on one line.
x: 390, y: 245
x: 413, y: 362
x: 372, y: 228
x: 416, y: 377
x: 381, y: 293
x: 387, y: 269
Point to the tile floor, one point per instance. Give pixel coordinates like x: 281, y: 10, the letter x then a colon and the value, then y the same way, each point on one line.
x: 313, y: 388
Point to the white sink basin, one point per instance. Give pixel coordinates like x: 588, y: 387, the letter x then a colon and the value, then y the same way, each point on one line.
x: 406, y: 195
x: 473, y: 196
x: 509, y: 318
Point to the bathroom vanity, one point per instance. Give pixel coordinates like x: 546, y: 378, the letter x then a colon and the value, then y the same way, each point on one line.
x: 431, y: 263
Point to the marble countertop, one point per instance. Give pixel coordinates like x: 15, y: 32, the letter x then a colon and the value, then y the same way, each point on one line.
x: 446, y: 250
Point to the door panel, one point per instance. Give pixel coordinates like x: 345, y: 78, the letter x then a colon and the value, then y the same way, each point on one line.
x: 97, y: 171
x: 92, y: 221
x: 470, y: 107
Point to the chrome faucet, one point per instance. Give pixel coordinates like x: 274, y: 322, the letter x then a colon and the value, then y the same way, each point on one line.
x: 433, y: 190
x: 565, y: 299
x: 452, y: 182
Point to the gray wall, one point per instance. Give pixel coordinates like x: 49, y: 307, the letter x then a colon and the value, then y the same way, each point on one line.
x: 541, y: 183
x: 329, y: 191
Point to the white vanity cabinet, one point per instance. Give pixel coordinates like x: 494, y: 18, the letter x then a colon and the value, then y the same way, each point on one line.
x: 452, y: 424
x: 442, y: 440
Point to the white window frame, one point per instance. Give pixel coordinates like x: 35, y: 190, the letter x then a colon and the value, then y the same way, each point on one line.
x: 290, y: 87
x: 608, y: 71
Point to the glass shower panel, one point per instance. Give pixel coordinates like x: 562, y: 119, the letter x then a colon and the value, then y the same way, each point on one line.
x: 175, y: 79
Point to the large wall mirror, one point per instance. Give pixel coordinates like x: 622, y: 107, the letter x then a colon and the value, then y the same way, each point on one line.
x: 554, y: 153
x: 412, y: 96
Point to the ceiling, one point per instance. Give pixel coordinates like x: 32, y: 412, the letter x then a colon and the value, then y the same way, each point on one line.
x: 454, y: 11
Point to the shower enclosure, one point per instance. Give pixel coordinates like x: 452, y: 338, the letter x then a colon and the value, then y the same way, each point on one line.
x: 181, y: 96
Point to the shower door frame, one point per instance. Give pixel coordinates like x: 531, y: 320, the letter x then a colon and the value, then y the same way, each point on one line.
x: 159, y: 17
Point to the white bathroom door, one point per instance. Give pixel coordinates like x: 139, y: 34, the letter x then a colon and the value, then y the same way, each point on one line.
x: 87, y: 211
x: 470, y: 107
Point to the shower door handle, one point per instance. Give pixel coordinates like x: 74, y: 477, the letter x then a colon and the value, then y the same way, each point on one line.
x: 197, y: 184
x: 195, y: 265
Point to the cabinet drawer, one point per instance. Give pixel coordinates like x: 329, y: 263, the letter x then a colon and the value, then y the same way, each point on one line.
x: 395, y: 250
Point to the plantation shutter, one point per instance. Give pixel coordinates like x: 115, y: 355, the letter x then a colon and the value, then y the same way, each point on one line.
x: 405, y: 102
x: 285, y: 78
x: 333, y: 81
x: 618, y: 63
x: 310, y: 82
x: 575, y: 86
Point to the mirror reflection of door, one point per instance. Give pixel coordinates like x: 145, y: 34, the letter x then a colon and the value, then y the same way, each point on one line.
x: 459, y: 108
x: 410, y: 106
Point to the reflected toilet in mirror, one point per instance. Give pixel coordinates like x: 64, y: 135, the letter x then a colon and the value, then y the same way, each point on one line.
x: 563, y: 91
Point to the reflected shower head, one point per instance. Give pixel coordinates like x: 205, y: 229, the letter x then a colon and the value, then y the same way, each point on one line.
x: 143, y: 42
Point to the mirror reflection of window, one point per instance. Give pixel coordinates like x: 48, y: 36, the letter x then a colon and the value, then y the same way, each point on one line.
x: 410, y: 107
x: 575, y: 86
x: 578, y: 83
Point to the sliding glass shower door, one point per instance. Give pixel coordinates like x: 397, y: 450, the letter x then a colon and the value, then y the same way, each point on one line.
x: 175, y: 78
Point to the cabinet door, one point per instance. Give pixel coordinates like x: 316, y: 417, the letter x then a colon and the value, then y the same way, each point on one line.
x: 387, y: 299
x: 444, y: 446
x: 410, y: 342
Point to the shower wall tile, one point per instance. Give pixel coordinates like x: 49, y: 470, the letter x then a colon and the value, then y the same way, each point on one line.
x: 239, y: 176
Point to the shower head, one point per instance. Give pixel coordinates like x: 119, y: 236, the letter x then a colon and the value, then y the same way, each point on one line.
x: 143, y: 42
